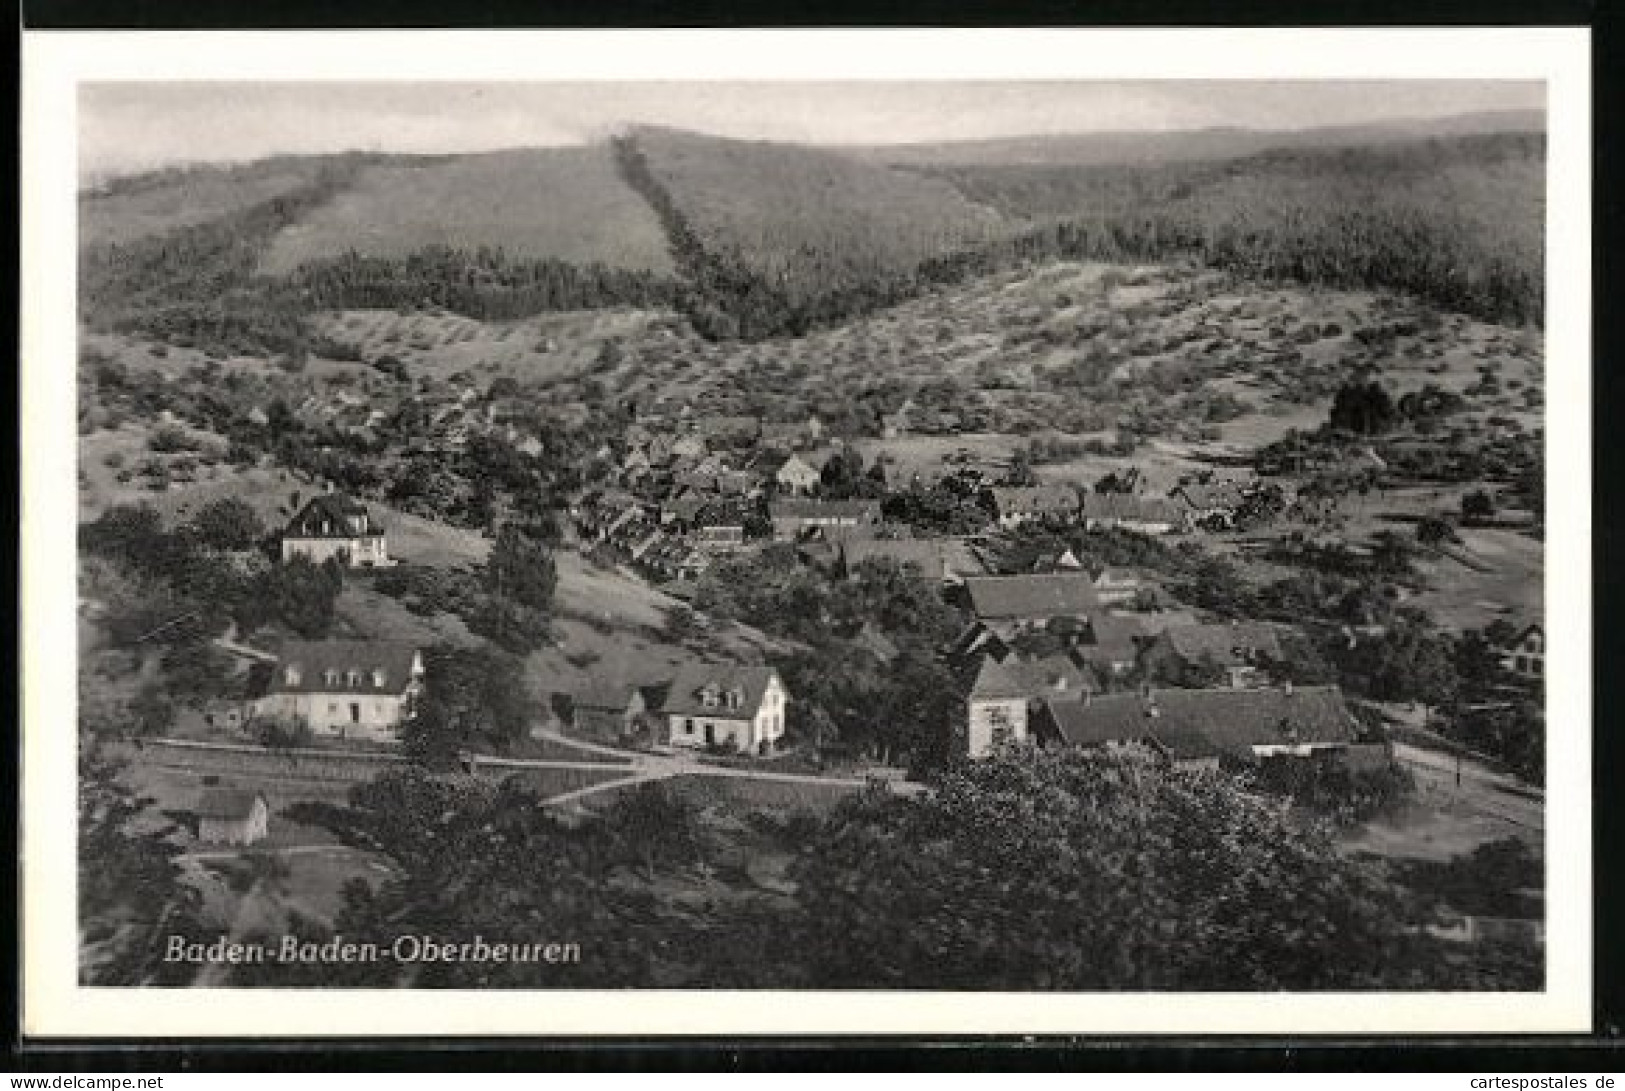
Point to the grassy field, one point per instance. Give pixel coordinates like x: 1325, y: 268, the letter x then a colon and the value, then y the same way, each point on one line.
x: 562, y: 203
x: 187, y: 198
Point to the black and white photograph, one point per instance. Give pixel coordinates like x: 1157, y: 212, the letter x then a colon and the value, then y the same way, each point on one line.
x: 1030, y: 537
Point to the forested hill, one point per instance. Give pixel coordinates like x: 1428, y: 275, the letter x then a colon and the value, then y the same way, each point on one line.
x: 1124, y: 149
x: 756, y: 239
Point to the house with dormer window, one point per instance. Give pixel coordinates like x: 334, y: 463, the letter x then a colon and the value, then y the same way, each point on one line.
x: 740, y: 707
x: 335, y: 526
x: 347, y: 689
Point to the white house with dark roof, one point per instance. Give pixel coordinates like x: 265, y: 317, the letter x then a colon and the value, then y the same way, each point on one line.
x: 742, y: 707
x: 996, y: 707
x: 333, y: 525
x: 347, y: 689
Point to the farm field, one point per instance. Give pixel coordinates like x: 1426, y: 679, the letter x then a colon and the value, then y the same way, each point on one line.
x: 568, y: 204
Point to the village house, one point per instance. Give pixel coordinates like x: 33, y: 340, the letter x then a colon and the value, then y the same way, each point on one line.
x: 1142, y: 514
x: 232, y: 816
x: 726, y: 705
x: 614, y: 710
x: 833, y: 519
x: 1017, y: 506
x: 790, y: 473
x: 1525, y: 654
x: 1006, y: 604
x: 1205, y: 504
x: 1239, y: 649
x: 334, y: 526
x: 347, y: 689
x: 1203, y: 727
x: 996, y: 708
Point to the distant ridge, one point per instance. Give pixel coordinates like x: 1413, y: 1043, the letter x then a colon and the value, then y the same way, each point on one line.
x: 1154, y: 148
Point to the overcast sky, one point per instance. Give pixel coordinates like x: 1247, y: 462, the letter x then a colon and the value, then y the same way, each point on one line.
x: 133, y: 126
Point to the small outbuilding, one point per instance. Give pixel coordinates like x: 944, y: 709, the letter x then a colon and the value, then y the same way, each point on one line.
x: 233, y: 816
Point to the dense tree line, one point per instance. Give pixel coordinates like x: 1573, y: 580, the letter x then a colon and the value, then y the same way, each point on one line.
x: 485, y: 283
x: 1406, y: 217
x: 1189, y: 881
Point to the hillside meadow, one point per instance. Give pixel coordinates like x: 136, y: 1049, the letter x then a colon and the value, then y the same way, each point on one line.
x: 566, y: 204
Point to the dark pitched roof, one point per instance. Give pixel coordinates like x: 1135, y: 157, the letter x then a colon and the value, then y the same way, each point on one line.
x: 231, y: 804
x: 328, y: 515
x: 315, y: 660
x: 995, y: 681
x: 1192, y: 722
x: 749, y: 681
x: 1051, y: 674
x: 1032, y: 596
x: 1229, y: 644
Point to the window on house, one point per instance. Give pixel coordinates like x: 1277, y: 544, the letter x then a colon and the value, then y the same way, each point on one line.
x: 378, y: 679
x: 331, y: 677
x: 1539, y: 666
x: 291, y: 675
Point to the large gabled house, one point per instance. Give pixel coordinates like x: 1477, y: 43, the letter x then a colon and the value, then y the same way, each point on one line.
x: 726, y: 705
x: 347, y: 689
x: 335, y: 526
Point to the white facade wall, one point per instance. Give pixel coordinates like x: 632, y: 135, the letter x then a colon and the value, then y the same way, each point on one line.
x: 990, y: 716
x: 340, y: 715
x: 371, y: 551
x: 745, y: 734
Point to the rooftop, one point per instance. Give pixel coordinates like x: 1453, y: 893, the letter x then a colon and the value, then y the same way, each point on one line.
x: 1032, y: 596
x: 749, y: 682
x: 1217, y: 721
